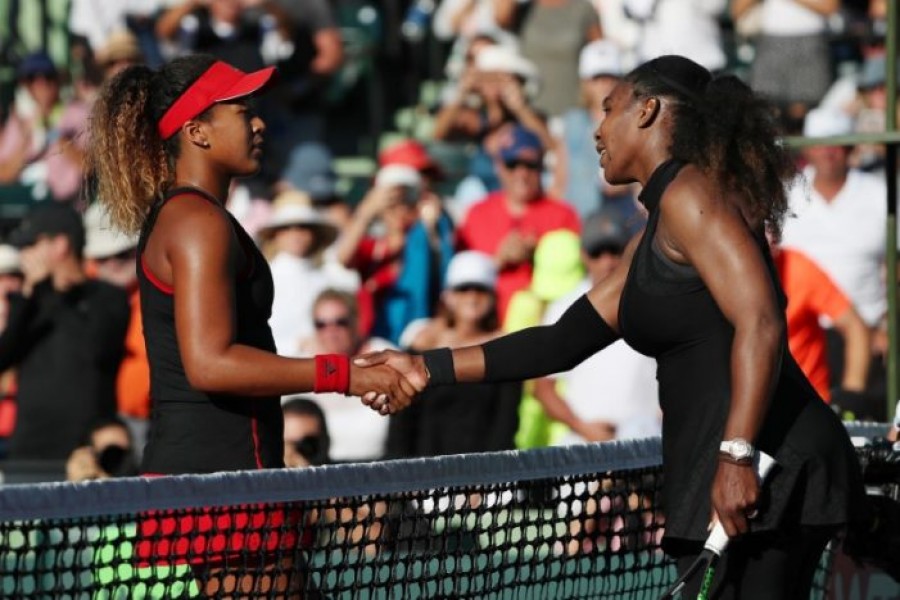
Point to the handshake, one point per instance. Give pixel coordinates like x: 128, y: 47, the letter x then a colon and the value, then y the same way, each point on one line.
x: 387, y: 380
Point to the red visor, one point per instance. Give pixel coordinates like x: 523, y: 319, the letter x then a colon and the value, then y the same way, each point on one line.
x: 220, y: 83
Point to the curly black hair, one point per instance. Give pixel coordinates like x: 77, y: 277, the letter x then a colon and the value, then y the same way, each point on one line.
x: 725, y: 129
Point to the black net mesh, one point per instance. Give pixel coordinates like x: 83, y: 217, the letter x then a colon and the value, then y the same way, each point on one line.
x: 581, y: 522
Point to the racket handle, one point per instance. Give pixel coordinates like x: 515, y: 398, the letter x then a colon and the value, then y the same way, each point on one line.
x: 718, y: 539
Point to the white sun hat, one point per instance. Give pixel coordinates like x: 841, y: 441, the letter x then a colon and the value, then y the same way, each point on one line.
x: 102, y: 239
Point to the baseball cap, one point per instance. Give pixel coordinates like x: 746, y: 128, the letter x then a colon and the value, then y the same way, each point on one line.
x: 219, y: 83
x: 522, y: 144
x: 557, y: 265
x: 471, y: 268
x: 410, y: 153
x: 309, y: 169
x: 102, y: 239
x: 826, y: 122
x: 403, y: 176
x: 36, y: 63
x: 603, y: 229
x: 49, y: 218
x: 600, y: 57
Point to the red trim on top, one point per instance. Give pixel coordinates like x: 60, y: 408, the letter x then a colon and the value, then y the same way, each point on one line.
x: 157, y: 283
x: 254, y: 426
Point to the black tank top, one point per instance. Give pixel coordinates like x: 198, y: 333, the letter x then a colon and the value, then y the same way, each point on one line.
x: 193, y: 431
x: 667, y: 312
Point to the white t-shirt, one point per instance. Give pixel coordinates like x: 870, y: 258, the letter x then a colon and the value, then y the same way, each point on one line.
x: 846, y: 237
x: 357, y: 432
x: 686, y: 27
x: 297, y: 284
x: 617, y: 385
x: 789, y: 17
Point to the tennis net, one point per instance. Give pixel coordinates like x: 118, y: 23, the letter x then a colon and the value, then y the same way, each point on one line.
x: 575, y: 522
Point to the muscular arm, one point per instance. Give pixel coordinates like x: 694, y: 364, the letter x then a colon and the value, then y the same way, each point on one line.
x: 698, y: 228
x: 857, y: 349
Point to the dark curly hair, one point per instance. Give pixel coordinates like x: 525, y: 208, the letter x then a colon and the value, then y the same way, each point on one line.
x: 727, y: 131
x: 129, y: 165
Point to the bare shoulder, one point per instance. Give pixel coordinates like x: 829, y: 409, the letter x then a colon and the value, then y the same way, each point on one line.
x: 690, y: 196
x: 190, y: 220
x: 693, y: 207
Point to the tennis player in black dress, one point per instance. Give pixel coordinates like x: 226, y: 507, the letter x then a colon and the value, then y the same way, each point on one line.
x: 698, y: 292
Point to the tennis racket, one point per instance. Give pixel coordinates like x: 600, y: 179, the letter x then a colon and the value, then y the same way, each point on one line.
x: 714, y: 546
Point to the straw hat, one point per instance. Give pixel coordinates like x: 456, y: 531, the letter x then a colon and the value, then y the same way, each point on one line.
x: 287, y: 214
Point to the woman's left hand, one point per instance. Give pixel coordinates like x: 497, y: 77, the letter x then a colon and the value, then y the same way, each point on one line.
x: 735, y: 493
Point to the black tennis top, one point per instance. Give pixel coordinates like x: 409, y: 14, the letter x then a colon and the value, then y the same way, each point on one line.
x: 667, y: 312
x: 198, y: 432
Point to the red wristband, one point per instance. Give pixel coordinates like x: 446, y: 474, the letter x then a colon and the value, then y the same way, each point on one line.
x: 332, y: 373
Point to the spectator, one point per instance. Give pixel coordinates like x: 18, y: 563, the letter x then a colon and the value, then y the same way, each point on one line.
x: 797, y: 29
x: 108, y: 452
x: 307, y: 72
x: 508, y: 224
x: 574, y: 24
x: 662, y: 27
x: 295, y: 237
x: 306, y: 439
x: 119, y: 51
x: 66, y: 335
x: 599, y: 68
x: 10, y: 279
x: 840, y: 222
x: 111, y: 257
x: 557, y: 271
x: 231, y: 30
x: 402, y: 265
x: 10, y: 282
x: 471, y: 418
x: 871, y: 113
x: 494, y: 90
x: 811, y: 297
x: 97, y: 22
x: 42, y: 135
x: 357, y: 433
x: 613, y: 394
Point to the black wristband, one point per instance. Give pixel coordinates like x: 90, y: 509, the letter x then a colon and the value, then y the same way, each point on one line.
x: 439, y: 363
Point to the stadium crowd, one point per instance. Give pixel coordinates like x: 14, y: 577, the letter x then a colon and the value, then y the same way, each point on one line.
x: 416, y: 206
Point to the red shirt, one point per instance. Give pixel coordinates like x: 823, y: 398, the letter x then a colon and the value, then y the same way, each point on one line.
x: 488, y: 222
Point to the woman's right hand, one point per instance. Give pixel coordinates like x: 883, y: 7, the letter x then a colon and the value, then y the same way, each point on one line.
x: 381, y: 388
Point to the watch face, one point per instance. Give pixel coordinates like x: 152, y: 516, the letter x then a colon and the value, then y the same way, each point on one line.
x: 741, y: 449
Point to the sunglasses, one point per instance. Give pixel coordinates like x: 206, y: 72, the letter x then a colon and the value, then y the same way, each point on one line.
x: 343, y: 322
x: 528, y: 164
x: 471, y: 287
x: 601, y: 249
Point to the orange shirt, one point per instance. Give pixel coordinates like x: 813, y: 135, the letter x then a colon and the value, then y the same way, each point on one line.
x: 811, y: 294
x: 133, y: 383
